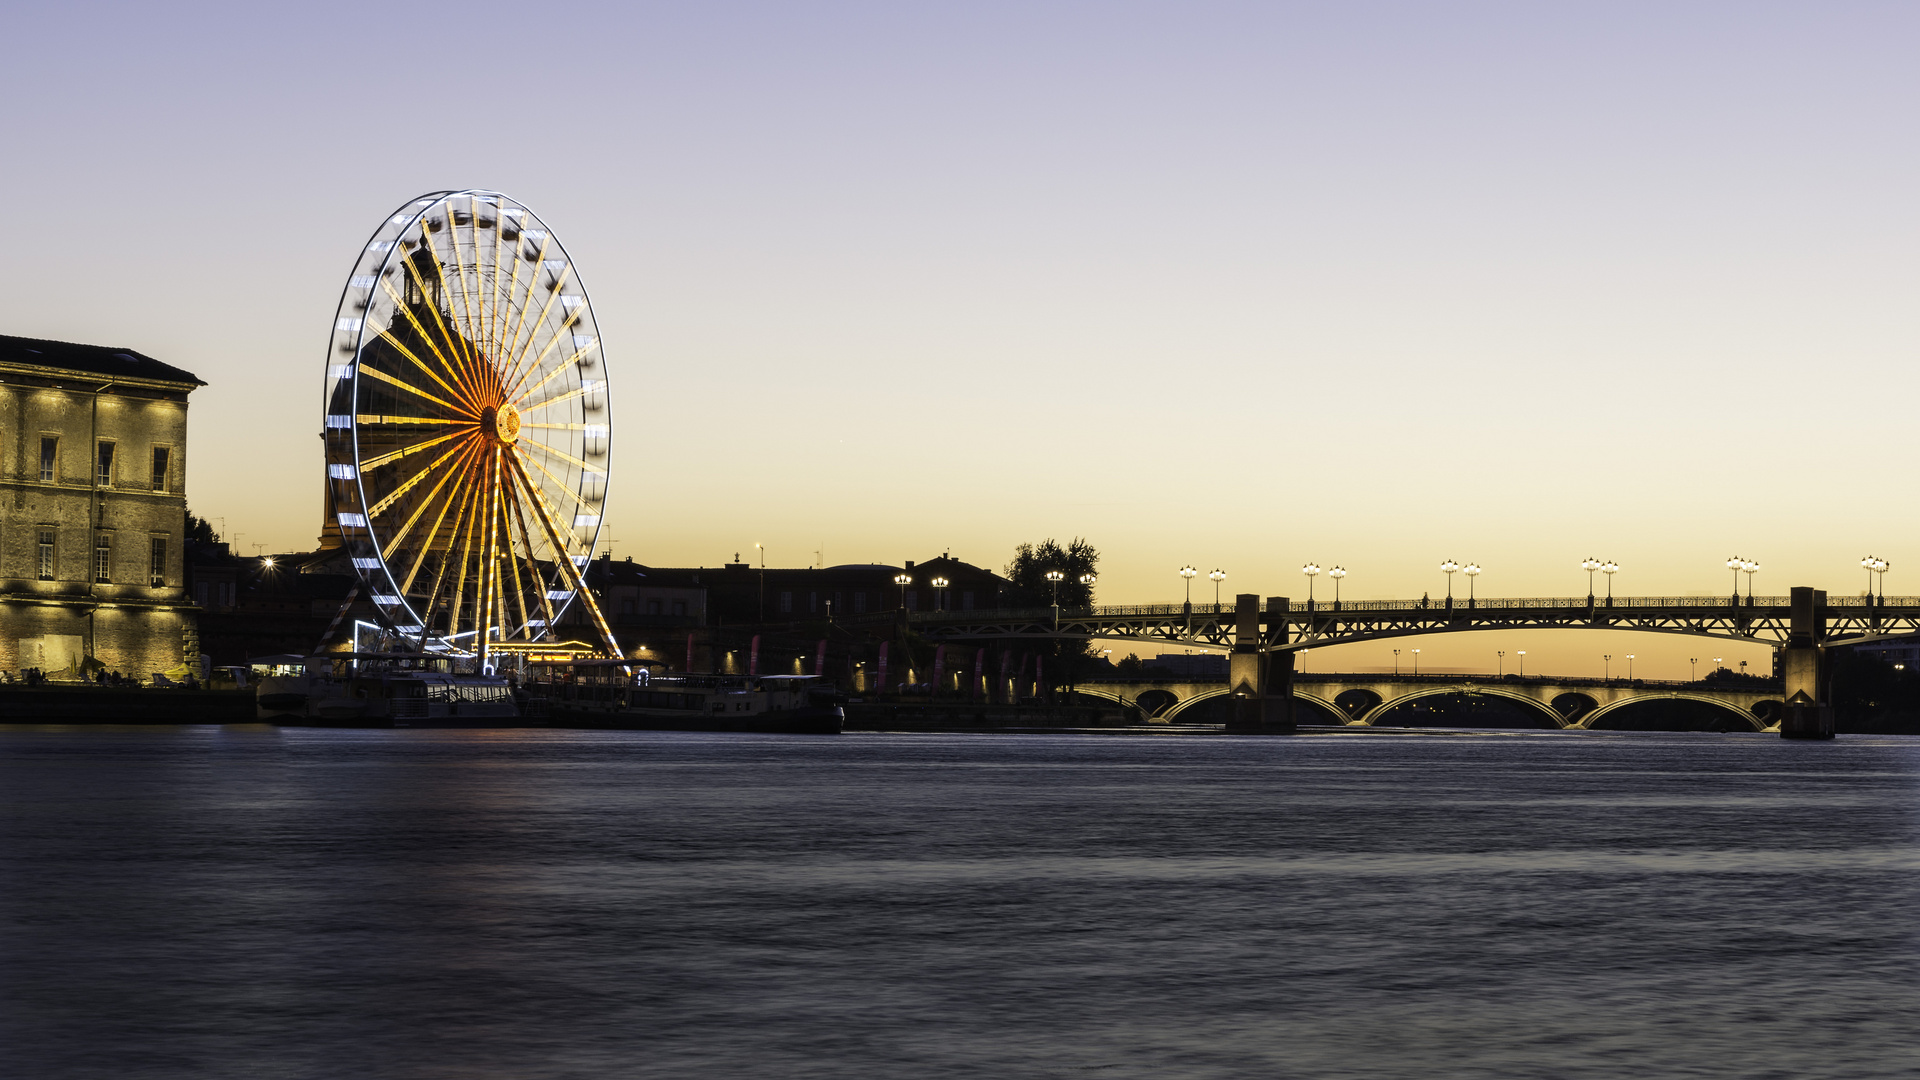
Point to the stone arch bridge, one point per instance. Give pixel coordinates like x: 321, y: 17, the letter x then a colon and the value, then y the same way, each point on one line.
x: 1361, y: 700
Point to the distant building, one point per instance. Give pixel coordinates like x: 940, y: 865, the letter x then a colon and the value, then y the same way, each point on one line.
x: 93, y: 517
x: 1188, y: 665
x: 740, y: 594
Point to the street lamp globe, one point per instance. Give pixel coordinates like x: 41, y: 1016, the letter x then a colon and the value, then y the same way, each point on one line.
x: 1189, y: 573
x: 1590, y: 565
x: 1216, y: 576
x: 1609, y: 568
x: 1472, y: 570
x: 1312, y: 570
x: 1448, y: 569
x: 1336, y: 574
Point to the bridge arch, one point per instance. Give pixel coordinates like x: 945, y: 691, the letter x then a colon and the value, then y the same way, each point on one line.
x: 1331, y: 714
x: 1601, y: 713
x: 1531, y: 703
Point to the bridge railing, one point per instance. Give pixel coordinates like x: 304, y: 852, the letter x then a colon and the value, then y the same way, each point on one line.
x: 1323, y: 608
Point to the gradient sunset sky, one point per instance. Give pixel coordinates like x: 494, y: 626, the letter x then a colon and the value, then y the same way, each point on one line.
x: 1240, y: 286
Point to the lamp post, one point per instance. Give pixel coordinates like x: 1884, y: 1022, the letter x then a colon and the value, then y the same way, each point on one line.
x: 1448, y: 568
x: 1088, y: 579
x: 1606, y: 673
x: 1396, y: 663
x: 1520, y: 663
x: 903, y: 580
x: 1880, y: 567
x: 1312, y: 571
x: 939, y: 593
x: 1416, y: 663
x: 1749, y: 569
x: 1055, y: 577
x: 1629, y: 667
x: 1217, y: 576
x: 1500, y: 671
x: 1189, y: 573
x: 1609, y: 568
x: 1693, y: 672
x: 1866, y: 564
x: 1592, y: 564
x: 1734, y: 564
x: 1472, y: 570
x: 1336, y: 574
x: 1717, y: 665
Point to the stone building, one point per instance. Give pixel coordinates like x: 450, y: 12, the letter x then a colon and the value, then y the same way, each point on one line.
x: 93, y: 459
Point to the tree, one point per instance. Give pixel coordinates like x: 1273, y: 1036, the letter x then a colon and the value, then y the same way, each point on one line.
x: 1027, y: 573
x: 200, y: 530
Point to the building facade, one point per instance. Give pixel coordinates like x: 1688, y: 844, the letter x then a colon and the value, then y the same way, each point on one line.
x: 93, y: 460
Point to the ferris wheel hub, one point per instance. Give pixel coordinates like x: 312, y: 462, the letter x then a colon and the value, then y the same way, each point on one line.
x: 501, y: 423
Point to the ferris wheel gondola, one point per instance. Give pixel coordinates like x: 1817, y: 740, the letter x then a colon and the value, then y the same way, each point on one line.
x: 467, y: 425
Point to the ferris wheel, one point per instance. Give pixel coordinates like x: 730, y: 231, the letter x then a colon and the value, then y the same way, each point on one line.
x: 467, y: 425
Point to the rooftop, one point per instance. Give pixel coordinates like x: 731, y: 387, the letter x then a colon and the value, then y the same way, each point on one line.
x: 93, y: 359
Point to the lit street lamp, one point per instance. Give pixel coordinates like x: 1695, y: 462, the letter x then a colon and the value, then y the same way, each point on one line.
x: 1311, y: 570
x: 1610, y: 568
x: 1879, y: 567
x: 1749, y: 569
x: 1472, y: 570
x: 1520, y: 663
x: 1500, y: 671
x: 1217, y: 577
x: 939, y: 593
x: 1448, y: 568
x: 1056, y: 577
x: 1336, y: 574
x: 1867, y: 565
x: 1189, y: 573
x: 1734, y: 564
x: 1607, y: 671
x: 903, y: 580
x: 1396, y: 662
x: 1629, y: 667
x: 1590, y: 566
x: 1088, y: 579
x: 1416, y: 662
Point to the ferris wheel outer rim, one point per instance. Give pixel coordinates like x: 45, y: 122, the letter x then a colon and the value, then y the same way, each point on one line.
x: 418, y: 206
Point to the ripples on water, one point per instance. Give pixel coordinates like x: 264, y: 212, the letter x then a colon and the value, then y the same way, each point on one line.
x: 244, y: 902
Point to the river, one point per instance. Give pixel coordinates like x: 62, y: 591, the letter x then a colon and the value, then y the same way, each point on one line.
x: 213, y: 902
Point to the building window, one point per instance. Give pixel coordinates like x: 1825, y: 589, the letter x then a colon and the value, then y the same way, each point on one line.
x: 49, y: 459
x: 46, y: 554
x: 786, y: 603
x: 160, y: 462
x: 966, y: 600
x: 679, y: 607
x: 859, y: 601
x: 103, y: 557
x: 105, y: 477
x: 913, y: 600
x: 813, y: 602
x: 626, y: 607
x: 157, y: 572
x: 653, y: 607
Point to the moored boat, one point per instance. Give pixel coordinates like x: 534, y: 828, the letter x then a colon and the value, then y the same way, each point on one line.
x: 383, y: 690
x: 600, y: 694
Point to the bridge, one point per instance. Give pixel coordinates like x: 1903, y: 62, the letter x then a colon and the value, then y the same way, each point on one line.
x: 1360, y: 700
x: 1262, y: 640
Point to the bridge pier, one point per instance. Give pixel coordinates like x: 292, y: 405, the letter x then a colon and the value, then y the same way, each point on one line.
x: 1261, y: 682
x: 1803, y: 667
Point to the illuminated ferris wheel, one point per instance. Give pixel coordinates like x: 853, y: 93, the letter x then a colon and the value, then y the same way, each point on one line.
x: 467, y: 425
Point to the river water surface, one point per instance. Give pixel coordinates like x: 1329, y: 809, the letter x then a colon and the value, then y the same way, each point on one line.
x: 245, y: 902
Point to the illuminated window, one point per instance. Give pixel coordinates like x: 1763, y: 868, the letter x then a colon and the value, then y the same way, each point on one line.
x: 160, y: 462
x: 49, y: 459
x: 157, y: 569
x: 46, y: 554
x: 103, y: 557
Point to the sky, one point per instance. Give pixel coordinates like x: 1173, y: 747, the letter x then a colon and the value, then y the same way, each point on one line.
x: 1230, y: 285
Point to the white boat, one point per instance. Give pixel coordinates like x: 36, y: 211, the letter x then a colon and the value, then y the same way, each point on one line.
x: 381, y: 690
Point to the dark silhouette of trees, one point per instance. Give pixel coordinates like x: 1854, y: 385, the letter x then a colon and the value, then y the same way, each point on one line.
x: 1027, y: 573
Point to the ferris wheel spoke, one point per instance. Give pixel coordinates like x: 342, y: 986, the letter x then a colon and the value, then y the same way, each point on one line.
x: 466, y: 557
x: 400, y: 535
x: 411, y: 389
x: 562, y: 455
x: 384, y: 420
x: 513, y: 564
x: 546, y: 309
x: 563, y: 331
x: 427, y: 337
x: 406, y: 451
x: 519, y: 307
x: 558, y: 370
x: 558, y: 399
x: 533, y: 566
x: 410, y: 482
x: 465, y: 495
x: 456, y: 344
x: 561, y: 486
x: 472, y: 327
x: 565, y: 558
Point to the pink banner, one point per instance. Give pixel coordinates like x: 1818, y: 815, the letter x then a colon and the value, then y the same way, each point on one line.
x: 880, y: 681
x: 820, y: 659
x: 1003, y: 692
x: 753, y: 657
x: 1039, y: 676
x: 939, y: 667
